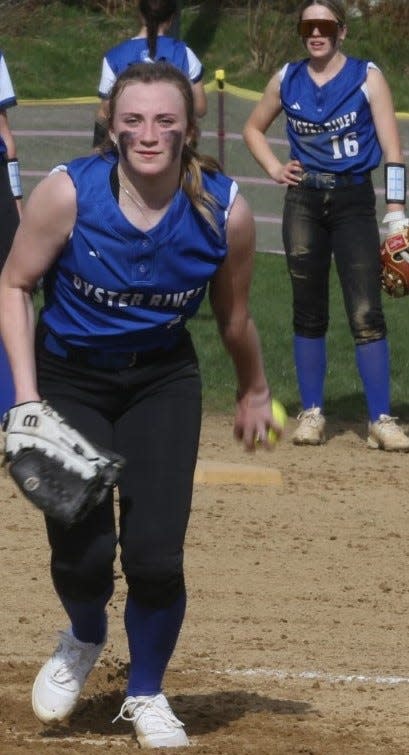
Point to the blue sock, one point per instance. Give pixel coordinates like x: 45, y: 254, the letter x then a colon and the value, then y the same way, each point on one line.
x: 7, y: 396
x: 372, y: 360
x: 310, y: 355
x: 88, y: 618
x: 152, y: 636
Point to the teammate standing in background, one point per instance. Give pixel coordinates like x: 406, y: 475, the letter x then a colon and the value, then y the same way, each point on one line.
x: 340, y: 119
x: 127, y: 241
x: 151, y: 44
x: 10, y: 208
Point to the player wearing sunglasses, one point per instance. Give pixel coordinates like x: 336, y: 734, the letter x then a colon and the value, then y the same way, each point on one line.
x: 340, y: 123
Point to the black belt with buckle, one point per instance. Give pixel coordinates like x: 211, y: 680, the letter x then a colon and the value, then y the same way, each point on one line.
x: 102, y: 360
x: 315, y: 180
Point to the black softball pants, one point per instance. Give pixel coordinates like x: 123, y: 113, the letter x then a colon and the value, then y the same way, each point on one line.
x: 319, y: 223
x: 151, y: 415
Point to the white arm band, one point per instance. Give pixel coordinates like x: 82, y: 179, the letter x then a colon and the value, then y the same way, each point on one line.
x: 14, y: 178
x: 397, y: 221
x: 395, y: 183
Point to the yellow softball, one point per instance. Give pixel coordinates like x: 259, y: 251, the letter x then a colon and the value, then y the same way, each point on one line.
x: 279, y: 416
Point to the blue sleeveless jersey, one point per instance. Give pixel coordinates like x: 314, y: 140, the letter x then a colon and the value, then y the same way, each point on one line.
x: 330, y: 128
x: 117, y: 288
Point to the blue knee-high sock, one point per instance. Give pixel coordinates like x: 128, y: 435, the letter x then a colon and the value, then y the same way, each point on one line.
x: 88, y: 618
x: 7, y: 396
x: 372, y: 360
x: 310, y: 356
x: 152, y: 636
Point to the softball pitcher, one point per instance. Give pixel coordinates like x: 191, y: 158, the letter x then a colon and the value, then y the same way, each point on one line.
x: 127, y: 241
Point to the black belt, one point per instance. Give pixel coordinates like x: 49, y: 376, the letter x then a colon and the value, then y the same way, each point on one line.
x: 102, y: 360
x: 315, y: 180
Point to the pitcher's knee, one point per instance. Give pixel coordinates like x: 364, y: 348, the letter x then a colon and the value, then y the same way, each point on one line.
x: 156, y: 585
x: 87, y: 573
x: 70, y: 583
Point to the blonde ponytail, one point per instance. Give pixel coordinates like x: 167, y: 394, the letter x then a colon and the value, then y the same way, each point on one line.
x: 191, y: 181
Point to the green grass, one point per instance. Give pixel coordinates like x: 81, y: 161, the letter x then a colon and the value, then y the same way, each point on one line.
x: 56, y: 50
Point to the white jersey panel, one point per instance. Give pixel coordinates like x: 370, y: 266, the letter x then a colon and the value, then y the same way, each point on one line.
x: 195, y: 66
x: 107, y: 80
x: 7, y: 96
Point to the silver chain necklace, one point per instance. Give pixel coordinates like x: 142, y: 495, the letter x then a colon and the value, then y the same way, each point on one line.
x: 142, y: 208
x: 133, y: 199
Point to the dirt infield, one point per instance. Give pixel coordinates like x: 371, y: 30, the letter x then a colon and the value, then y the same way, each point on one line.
x: 296, y: 636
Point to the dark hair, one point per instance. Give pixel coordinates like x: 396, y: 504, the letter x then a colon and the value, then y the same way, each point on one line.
x: 192, y: 163
x: 155, y: 13
x: 335, y: 6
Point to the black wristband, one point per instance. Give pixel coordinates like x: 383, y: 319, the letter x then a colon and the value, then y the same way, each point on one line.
x: 395, y: 183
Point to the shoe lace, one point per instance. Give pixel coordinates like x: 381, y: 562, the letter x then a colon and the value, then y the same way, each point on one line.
x: 69, y: 658
x: 133, y: 710
x: 310, y: 417
x: 385, y: 419
x: 389, y: 424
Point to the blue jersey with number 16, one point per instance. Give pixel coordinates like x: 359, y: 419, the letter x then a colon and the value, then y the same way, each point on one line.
x: 330, y: 128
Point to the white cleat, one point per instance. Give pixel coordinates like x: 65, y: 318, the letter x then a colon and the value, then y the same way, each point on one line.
x: 387, y: 435
x: 59, y: 682
x: 154, y: 722
x: 311, y: 428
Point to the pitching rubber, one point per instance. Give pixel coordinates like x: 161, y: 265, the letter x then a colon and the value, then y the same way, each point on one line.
x: 229, y: 473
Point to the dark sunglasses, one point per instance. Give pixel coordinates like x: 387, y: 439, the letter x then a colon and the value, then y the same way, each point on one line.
x: 325, y: 27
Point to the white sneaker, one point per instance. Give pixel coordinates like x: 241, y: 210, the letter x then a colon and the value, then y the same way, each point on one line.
x: 154, y: 722
x: 387, y: 435
x: 59, y: 682
x: 311, y: 427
